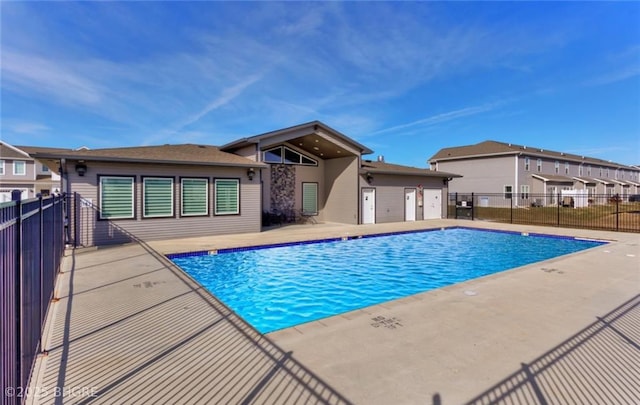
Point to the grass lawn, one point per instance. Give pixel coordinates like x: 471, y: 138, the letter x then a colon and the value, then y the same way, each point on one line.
x: 595, y: 217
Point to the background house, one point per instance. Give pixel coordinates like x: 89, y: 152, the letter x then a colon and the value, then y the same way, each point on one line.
x: 509, y: 169
x: 19, y: 171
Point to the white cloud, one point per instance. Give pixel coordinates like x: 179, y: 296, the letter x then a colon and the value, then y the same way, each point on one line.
x: 443, y: 117
x: 27, y: 127
x: 27, y: 74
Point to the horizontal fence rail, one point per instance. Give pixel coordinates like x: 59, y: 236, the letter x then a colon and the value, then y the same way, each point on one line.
x: 32, y: 246
x: 606, y: 212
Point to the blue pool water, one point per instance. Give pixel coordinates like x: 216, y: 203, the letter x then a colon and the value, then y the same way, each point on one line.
x: 279, y: 287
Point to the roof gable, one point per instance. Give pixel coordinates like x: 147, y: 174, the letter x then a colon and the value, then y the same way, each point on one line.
x: 313, y: 137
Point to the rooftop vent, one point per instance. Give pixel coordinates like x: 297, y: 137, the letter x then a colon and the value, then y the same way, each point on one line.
x: 380, y: 158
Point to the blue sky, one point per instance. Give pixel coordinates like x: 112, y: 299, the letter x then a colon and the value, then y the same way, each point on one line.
x: 403, y: 78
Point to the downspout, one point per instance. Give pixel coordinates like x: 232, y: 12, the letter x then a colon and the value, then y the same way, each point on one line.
x: 515, y: 191
x: 64, y: 177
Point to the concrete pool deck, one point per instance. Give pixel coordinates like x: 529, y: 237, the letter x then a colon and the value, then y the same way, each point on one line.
x: 130, y: 327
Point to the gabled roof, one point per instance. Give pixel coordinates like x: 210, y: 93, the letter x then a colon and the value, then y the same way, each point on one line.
x: 305, y: 137
x: 171, y: 154
x: 12, y: 152
x: 389, y: 168
x: 494, y: 148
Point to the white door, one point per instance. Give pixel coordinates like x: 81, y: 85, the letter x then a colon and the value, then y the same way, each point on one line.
x: 368, y: 206
x: 410, y: 204
x: 432, y: 204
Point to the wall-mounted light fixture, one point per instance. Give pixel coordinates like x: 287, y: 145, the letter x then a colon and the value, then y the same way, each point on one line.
x: 369, y: 177
x: 446, y: 180
x: 250, y: 173
x: 81, y: 168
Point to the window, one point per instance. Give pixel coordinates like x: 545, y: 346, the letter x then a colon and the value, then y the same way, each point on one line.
x: 282, y: 154
x: 539, y: 165
x: 600, y: 171
x: 607, y: 172
x: 589, y: 170
x: 45, y: 169
x: 273, y: 155
x: 524, y: 191
x: 580, y: 170
x: 157, y: 197
x: 116, y: 197
x: 591, y: 191
x: 508, y: 190
x: 526, y: 164
x: 227, y: 196
x: 566, y: 167
x: 557, y: 167
x: 19, y: 167
x: 310, y: 198
x: 1, y: 167
x: 195, y: 198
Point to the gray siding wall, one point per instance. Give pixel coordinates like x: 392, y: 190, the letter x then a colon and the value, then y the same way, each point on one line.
x: 100, y: 232
x: 30, y: 170
x: 390, y: 195
x: 488, y: 175
x: 341, y: 190
x: 249, y: 152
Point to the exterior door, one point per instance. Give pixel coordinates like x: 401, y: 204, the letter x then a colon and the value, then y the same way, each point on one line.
x: 368, y: 206
x: 432, y: 204
x: 410, y: 204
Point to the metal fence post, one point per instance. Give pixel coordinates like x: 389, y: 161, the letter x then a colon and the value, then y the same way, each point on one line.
x: 558, y: 209
x: 473, y: 206
x: 16, y: 196
x: 617, y: 212
x: 455, y: 207
x: 76, y: 217
x: 511, y: 210
x: 41, y: 241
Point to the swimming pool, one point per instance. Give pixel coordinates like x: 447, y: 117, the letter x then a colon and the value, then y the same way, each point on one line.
x: 279, y: 287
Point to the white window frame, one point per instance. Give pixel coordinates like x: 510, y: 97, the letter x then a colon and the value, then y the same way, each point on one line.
x: 588, y: 170
x: 102, y: 197
x: 283, y: 152
x: 144, y: 197
x: 216, y: 194
x: 557, y: 167
x: 1, y: 167
x: 24, y: 168
x: 527, y: 163
x: 206, y: 197
x: 539, y: 165
x: 524, y: 192
x: 580, y: 170
x: 566, y: 167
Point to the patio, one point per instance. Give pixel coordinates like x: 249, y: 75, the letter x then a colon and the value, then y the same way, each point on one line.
x: 130, y: 327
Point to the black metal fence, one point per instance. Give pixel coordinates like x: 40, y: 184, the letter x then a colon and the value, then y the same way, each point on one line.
x: 31, y: 245
x: 606, y: 212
